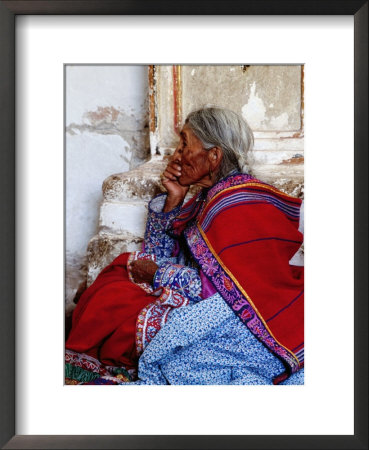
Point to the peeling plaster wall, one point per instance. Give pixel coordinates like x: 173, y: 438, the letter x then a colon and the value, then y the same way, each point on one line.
x: 106, y: 132
x: 267, y: 96
x: 166, y: 135
x: 270, y: 98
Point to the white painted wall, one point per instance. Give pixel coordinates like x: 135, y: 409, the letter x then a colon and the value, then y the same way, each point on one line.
x: 106, y: 133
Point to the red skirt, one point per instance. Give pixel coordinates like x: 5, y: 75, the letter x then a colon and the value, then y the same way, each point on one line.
x: 104, y: 320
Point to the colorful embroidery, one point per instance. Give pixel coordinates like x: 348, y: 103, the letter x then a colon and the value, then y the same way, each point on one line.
x: 184, y: 280
x: 243, y: 197
x: 184, y: 284
x: 157, y: 241
x: 154, y: 316
x: 84, y: 369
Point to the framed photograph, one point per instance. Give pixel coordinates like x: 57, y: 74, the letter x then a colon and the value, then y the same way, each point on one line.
x: 39, y: 41
x: 123, y: 127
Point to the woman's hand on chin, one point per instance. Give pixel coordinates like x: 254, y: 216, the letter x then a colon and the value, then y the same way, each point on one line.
x: 143, y: 271
x: 176, y: 192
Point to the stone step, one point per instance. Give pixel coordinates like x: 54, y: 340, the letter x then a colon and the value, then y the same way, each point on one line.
x: 142, y: 183
x: 123, y: 217
x: 105, y: 247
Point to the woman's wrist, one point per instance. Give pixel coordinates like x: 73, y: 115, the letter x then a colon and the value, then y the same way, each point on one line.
x: 171, y: 203
x: 143, y: 271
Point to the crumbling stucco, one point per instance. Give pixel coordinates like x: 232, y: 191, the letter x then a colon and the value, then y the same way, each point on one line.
x: 75, y: 278
x: 142, y: 183
x: 104, y: 248
x: 108, y: 120
x: 269, y: 97
x: 106, y: 132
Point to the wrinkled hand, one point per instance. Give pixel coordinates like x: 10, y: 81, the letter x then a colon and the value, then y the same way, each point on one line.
x: 176, y: 192
x: 143, y: 271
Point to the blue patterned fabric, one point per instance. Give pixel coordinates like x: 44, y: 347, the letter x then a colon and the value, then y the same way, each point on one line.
x: 157, y: 241
x: 173, y: 272
x: 204, y: 342
x: 180, y: 278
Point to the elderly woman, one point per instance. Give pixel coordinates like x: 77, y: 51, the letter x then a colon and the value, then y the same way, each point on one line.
x: 216, y: 272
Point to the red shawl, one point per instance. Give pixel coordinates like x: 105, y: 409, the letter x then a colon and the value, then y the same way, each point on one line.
x: 243, y: 239
x: 115, y: 318
x: 104, y: 321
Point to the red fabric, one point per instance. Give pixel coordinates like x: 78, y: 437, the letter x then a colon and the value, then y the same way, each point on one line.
x: 104, y: 320
x: 254, y: 243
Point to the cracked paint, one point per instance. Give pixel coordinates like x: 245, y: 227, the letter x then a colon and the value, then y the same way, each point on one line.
x: 279, y: 122
x: 103, y: 113
x: 108, y: 120
x: 254, y: 110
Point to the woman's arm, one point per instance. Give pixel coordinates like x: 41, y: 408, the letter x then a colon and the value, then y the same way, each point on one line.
x: 156, y: 240
x: 162, y: 211
x: 182, y: 279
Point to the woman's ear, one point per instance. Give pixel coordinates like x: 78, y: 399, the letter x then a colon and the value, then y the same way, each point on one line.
x: 215, y: 157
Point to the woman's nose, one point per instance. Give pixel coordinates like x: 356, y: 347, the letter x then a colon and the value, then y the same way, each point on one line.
x: 176, y: 155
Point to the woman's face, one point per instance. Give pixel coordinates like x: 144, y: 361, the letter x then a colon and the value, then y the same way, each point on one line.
x: 193, y: 159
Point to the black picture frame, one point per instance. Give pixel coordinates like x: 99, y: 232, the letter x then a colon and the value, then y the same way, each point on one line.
x: 8, y: 12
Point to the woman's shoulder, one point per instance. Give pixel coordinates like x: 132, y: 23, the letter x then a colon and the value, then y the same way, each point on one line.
x: 241, y: 182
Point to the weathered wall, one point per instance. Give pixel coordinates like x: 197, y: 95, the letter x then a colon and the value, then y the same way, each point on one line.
x: 106, y: 133
x: 270, y: 98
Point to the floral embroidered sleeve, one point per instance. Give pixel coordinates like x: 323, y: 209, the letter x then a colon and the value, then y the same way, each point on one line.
x: 184, y: 280
x: 178, y: 277
x: 157, y: 241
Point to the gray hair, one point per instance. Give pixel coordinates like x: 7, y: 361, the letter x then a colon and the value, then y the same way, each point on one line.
x: 223, y: 128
